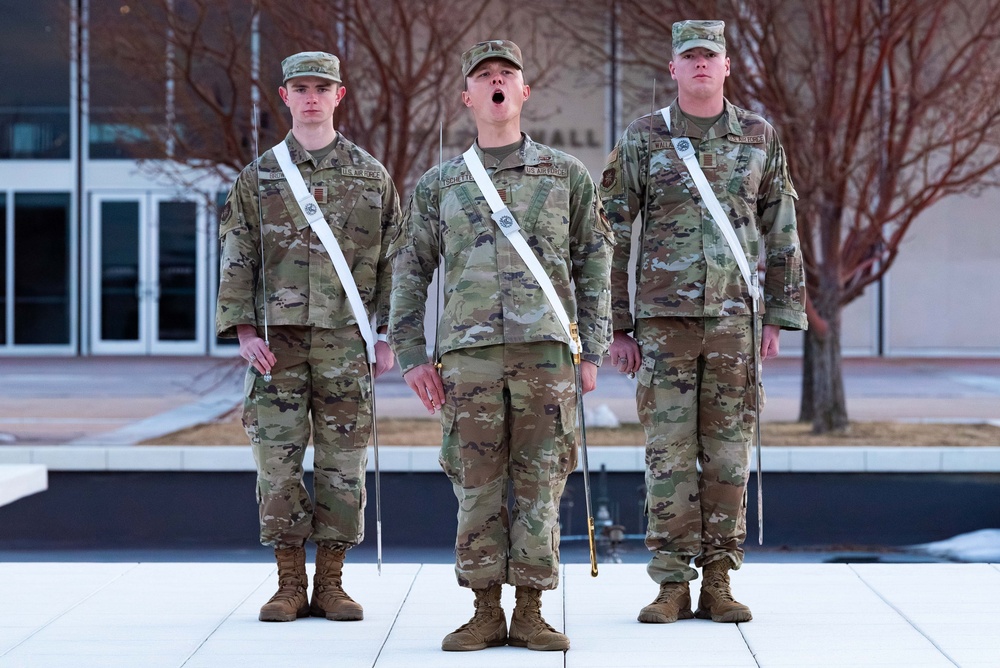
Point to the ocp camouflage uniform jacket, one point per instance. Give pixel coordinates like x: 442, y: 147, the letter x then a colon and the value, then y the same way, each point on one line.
x: 685, y: 266
x: 490, y: 296
x: 359, y: 202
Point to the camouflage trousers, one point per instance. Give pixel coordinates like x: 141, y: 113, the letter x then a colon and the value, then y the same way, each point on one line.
x: 508, y: 422
x: 319, y: 385
x: 695, y: 402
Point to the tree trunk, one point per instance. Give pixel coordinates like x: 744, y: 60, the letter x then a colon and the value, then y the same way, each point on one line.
x: 823, y: 401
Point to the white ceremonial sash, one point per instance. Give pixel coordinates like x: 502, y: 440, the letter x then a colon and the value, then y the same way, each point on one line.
x: 312, y: 212
x: 685, y: 150
x: 508, y: 225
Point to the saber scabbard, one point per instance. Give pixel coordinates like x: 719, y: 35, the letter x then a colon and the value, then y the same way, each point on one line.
x: 574, y: 332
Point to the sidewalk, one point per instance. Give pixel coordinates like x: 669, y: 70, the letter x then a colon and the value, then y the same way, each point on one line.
x: 123, y: 400
x: 205, y: 614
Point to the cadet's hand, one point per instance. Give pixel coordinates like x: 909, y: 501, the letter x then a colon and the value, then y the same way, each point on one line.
x: 384, y: 359
x: 254, y: 349
x: 425, y: 381
x: 624, y: 353
x: 769, y: 342
x: 588, y: 376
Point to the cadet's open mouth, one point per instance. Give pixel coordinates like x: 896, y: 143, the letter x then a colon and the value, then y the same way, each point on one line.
x: 498, y: 97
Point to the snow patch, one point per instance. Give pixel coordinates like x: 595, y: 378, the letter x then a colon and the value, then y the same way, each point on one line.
x: 977, y: 546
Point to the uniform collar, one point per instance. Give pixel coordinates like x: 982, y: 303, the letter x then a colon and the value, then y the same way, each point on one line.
x: 300, y: 155
x: 730, y: 118
x: 526, y: 155
x: 681, y: 127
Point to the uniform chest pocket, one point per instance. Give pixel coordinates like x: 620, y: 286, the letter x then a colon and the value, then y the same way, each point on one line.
x: 462, y: 222
x: 547, y: 215
x: 668, y: 186
x: 748, y: 169
x: 363, y: 220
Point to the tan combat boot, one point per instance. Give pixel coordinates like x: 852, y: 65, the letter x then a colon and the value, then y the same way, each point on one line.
x: 487, y: 628
x: 672, y: 603
x: 716, y: 601
x: 290, y: 601
x: 528, y: 629
x: 329, y: 598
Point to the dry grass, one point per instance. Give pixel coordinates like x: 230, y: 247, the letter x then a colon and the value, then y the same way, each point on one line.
x: 428, y: 432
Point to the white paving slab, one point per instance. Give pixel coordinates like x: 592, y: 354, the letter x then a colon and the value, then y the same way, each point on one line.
x: 200, y: 615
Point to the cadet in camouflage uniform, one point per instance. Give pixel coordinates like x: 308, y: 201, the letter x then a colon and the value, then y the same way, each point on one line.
x: 506, y: 387
x: 692, y: 352
x: 320, y: 380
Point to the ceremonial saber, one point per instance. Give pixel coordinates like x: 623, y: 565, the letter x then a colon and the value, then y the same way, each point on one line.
x: 260, y: 229
x: 440, y: 260
x: 378, y: 483
x: 757, y: 372
x: 649, y: 166
x: 574, y: 331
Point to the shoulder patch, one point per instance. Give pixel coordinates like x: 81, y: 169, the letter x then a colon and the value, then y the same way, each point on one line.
x: 362, y: 173
x: 747, y: 139
x: 546, y: 169
x: 608, y: 178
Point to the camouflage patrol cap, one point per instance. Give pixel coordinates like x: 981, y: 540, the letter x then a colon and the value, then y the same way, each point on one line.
x: 311, y: 64
x: 494, y: 48
x: 706, y: 34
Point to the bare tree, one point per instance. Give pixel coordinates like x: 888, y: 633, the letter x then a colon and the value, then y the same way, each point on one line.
x: 884, y: 108
x: 193, y: 61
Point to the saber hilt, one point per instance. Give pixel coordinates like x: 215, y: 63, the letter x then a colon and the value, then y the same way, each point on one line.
x: 574, y: 332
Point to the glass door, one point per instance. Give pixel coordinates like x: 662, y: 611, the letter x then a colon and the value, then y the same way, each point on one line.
x: 177, y: 274
x: 119, y: 295
x: 148, y: 281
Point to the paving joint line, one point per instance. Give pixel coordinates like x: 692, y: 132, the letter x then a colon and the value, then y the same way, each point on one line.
x: 395, y: 617
x: 913, y: 625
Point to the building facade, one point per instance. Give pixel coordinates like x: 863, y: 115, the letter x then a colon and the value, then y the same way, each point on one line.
x: 101, y: 255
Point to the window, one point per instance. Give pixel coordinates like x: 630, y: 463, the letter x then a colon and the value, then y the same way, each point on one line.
x: 34, y: 69
x: 42, y: 268
x: 127, y: 56
x: 3, y: 269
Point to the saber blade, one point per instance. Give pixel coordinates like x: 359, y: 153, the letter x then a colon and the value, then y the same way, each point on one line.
x: 260, y: 228
x: 757, y: 368
x: 378, y: 485
x: 575, y: 335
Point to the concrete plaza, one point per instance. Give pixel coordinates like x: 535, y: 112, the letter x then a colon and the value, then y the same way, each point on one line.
x: 195, y: 615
